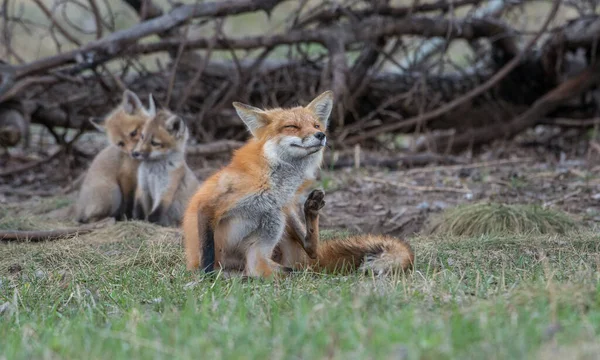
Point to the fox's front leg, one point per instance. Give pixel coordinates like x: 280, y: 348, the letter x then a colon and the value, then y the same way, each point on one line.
x: 128, y: 189
x: 307, y: 234
x: 160, y: 213
x: 313, y: 204
x: 139, y: 205
x: 128, y: 204
x: 260, y: 248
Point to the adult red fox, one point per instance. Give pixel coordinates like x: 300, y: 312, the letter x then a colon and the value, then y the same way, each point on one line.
x: 239, y: 214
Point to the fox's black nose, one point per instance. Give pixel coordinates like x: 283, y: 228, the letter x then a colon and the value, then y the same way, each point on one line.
x: 320, y: 135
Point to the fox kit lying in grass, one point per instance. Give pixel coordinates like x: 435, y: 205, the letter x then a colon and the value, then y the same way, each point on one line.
x: 165, y: 182
x: 300, y: 248
x: 109, y: 184
x: 240, y: 209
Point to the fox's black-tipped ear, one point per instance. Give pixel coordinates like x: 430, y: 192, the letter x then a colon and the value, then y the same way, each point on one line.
x: 131, y: 102
x: 98, y: 123
x: 321, y: 106
x: 175, y: 125
x: 151, y: 105
x: 253, y: 117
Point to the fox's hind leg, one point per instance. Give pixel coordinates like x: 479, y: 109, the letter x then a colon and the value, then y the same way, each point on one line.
x: 98, y: 202
x: 260, y: 265
x: 259, y: 247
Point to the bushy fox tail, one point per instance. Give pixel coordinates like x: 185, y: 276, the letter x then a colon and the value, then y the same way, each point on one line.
x: 380, y: 254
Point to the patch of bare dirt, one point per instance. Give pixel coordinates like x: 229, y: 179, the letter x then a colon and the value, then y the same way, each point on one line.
x: 377, y: 200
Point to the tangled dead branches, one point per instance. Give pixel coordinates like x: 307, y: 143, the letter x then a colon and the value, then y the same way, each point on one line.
x: 445, y: 65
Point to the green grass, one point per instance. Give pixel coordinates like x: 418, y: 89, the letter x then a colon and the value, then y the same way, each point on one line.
x: 123, y: 292
x: 495, y: 218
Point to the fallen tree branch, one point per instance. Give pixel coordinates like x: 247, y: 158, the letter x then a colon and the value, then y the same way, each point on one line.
x: 213, y: 148
x: 418, y: 188
x: 470, y: 166
x: 579, y: 33
x: 548, y: 103
x: 336, y: 12
x: 32, y: 165
x: 393, y: 162
x: 366, y: 30
x: 570, y: 123
x: 41, y: 235
x: 503, y: 72
x: 118, y: 41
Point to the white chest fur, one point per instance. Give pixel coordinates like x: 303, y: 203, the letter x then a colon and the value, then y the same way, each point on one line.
x: 153, y: 178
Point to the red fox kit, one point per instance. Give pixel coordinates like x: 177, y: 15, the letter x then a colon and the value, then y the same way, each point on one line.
x: 241, y: 209
x: 109, y: 184
x: 165, y: 182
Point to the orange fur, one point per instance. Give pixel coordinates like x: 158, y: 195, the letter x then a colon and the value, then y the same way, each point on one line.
x: 220, y: 205
x: 165, y: 182
x: 109, y: 184
x: 378, y: 253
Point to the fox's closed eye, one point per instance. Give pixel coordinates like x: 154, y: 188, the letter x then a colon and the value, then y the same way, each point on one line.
x: 154, y: 143
x: 120, y: 144
x: 291, y: 127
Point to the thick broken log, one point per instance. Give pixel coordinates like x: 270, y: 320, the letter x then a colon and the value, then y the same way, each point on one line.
x: 548, y: 103
x: 14, y: 125
x: 494, y: 80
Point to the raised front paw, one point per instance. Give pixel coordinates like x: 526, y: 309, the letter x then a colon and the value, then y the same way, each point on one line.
x: 314, y: 202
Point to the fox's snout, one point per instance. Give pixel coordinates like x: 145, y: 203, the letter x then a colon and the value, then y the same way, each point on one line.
x: 315, y: 139
x: 139, y: 155
x: 320, y: 135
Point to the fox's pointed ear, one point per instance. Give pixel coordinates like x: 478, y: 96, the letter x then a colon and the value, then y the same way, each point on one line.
x: 131, y: 102
x: 151, y: 105
x: 175, y: 125
x: 98, y: 123
x: 321, y: 106
x: 253, y: 117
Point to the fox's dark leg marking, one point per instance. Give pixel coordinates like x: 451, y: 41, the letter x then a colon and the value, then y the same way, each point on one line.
x: 127, y: 207
x: 208, y: 251
x: 138, y: 210
x: 156, y: 215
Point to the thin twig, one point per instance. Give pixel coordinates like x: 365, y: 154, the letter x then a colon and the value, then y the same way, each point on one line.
x: 97, y: 18
x: 41, y: 235
x: 418, y: 188
x: 562, y: 198
x: 33, y: 165
x: 470, y: 166
x: 216, y: 147
x: 56, y: 24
